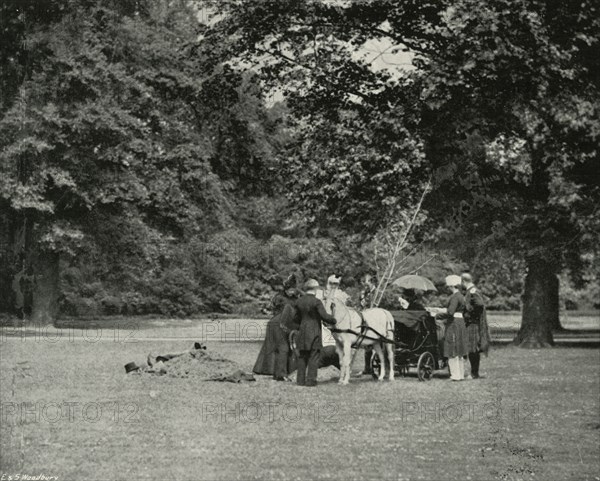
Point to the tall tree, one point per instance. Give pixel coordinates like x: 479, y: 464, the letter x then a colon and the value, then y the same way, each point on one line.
x: 500, y: 107
x: 122, y: 151
x: 98, y: 129
x: 512, y: 107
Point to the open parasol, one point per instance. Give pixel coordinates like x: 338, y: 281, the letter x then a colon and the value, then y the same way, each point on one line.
x: 415, y: 282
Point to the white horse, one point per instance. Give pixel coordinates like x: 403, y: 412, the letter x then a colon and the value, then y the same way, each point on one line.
x: 349, y: 330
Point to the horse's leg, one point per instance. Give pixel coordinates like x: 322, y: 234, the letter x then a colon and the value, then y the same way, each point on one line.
x: 379, y: 351
x: 391, y: 345
x: 339, y: 347
x: 346, y: 363
x: 390, y: 354
x: 354, y: 353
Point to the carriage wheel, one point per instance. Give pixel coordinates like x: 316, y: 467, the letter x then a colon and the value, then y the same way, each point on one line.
x: 375, y: 365
x: 425, y: 366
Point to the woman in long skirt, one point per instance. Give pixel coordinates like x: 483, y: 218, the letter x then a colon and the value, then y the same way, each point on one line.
x: 455, y: 340
x: 275, y: 357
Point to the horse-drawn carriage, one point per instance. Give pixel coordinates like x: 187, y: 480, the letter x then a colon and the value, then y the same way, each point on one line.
x: 406, y: 339
x: 415, y: 345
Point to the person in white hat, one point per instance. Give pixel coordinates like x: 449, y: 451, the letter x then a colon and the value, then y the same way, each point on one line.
x: 455, y: 339
x: 333, y: 291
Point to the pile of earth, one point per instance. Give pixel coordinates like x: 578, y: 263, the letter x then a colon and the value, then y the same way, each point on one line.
x: 199, y: 364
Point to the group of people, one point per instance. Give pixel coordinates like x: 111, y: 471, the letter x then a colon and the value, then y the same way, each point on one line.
x: 303, y: 312
x: 466, y: 330
x: 464, y: 324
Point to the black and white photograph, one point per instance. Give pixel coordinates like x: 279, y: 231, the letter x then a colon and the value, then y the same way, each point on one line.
x: 275, y: 240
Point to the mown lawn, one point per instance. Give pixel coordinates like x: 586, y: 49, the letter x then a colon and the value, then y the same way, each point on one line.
x: 503, y: 326
x: 69, y: 410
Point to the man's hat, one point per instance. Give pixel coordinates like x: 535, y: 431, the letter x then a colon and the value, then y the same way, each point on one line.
x: 333, y: 280
x: 131, y: 366
x: 311, y: 284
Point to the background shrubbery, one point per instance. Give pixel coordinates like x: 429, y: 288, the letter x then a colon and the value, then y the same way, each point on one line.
x: 234, y: 272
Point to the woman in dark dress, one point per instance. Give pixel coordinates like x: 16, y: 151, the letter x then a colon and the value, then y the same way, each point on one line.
x: 415, y: 299
x: 455, y: 339
x: 275, y: 357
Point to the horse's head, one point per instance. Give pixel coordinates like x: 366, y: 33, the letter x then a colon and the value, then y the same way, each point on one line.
x: 340, y: 311
x: 329, y: 304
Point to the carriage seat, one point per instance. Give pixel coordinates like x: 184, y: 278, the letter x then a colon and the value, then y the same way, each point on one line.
x: 408, y: 325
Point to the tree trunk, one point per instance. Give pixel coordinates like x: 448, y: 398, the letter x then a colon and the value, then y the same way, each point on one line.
x: 540, y: 306
x: 555, y: 304
x: 46, y: 288
x: 35, y: 280
x: 7, y: 261
x: 13, y: 277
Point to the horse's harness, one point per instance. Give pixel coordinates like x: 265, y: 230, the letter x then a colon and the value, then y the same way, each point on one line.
x: 363, y: 334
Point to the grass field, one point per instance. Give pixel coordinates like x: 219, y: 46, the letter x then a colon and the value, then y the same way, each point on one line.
x: 69, y: 410
x: 503, y: 326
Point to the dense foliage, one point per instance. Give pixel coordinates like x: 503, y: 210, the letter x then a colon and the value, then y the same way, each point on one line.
x: 143, y: 164
x: 500, y: 107
x: 121, y: 151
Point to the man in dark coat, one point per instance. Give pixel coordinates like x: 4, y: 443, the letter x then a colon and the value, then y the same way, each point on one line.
x: 478, y: 335
x: 310, y: 312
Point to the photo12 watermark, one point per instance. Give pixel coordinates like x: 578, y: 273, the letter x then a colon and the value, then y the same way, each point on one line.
x: 242, y: 330
x: 121, y: 332
x: 325, y: 412
x: 53, y: 412
x: 453, y: 412
x: 27, y: 477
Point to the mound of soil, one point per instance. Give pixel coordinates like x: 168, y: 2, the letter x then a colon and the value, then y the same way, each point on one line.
x: 199, y: 364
